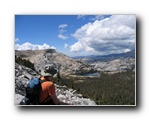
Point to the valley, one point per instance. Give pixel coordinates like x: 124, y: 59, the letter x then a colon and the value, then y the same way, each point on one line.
x: 114, y: 89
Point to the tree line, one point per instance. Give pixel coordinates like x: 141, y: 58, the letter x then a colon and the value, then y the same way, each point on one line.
x: 115, y: 89
x: 24, y: 62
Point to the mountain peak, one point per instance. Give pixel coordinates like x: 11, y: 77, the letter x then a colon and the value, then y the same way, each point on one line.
x: 65, y: 64
x: 50, y: 50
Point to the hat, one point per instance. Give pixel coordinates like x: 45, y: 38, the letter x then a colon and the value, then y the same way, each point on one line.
x: 49, y: 70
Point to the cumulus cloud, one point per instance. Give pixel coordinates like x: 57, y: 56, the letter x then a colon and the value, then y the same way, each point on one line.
x: 62, y: 26
x: 115, y: 34
x: 29, y: 46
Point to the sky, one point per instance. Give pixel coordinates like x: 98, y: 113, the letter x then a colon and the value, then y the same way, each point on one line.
x: 76, y: 35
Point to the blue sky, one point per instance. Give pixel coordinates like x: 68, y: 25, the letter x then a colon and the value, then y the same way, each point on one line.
x: 76, y: 35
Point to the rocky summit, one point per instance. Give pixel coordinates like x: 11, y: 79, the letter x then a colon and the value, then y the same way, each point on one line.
x: 67, y: 95
x: 63, y: 63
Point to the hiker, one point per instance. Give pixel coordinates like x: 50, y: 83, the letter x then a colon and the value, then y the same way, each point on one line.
x: 48, y: 94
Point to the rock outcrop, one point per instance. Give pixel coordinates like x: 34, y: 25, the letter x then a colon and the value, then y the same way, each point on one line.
x: 24, y: 74
x: 121, y: 64
x: 65, y: 64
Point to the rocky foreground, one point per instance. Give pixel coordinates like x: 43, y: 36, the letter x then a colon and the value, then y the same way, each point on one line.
x: 24, y: 74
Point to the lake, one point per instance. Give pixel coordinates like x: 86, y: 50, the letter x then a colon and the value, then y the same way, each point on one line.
x: 95, y: 74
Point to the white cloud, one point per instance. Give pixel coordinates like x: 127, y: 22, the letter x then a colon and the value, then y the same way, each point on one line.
x: 99, y: 17
x: 115, y: 34
x: 16, y: 39
x: 62, y: 26
x: 66, y: 45
x: 62, y: 36
x: 81, y: 16
x: 29, y: 46
x: 62, y: 31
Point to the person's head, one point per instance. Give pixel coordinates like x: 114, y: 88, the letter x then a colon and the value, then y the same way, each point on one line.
x: 49, y: 71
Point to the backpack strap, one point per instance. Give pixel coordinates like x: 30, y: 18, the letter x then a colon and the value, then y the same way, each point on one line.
x: 41, y: 81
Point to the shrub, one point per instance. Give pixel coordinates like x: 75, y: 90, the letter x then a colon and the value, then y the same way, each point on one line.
x: 24, y: 62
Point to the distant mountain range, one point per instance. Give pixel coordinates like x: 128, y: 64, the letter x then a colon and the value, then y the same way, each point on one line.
x: 79, y: 65
x: 106, y: 58
x: 111, y: 63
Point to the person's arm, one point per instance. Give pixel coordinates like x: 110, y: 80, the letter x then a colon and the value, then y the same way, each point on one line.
x: 52, y: 93
x: 57, y: 101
